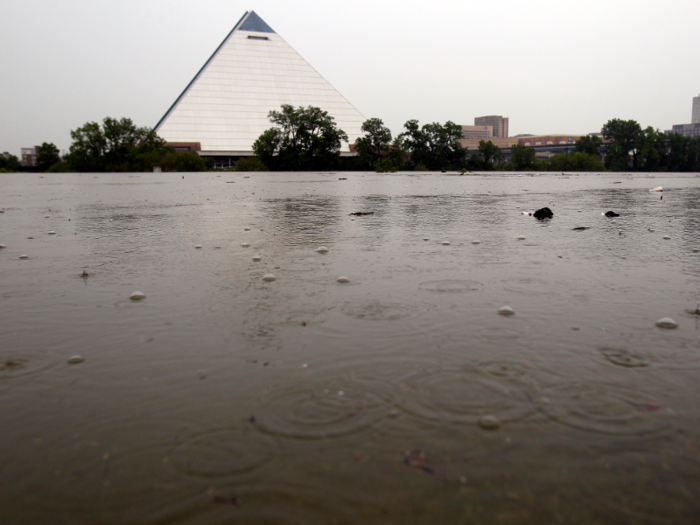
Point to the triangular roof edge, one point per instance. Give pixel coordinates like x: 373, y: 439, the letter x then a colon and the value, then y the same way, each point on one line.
x: 238, y: 24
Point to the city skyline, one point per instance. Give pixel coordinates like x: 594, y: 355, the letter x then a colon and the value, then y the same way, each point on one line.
x: 554, y: 68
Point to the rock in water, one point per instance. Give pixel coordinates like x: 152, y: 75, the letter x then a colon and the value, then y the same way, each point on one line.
x: 666, y: 322
x: 543, y: 213
x: 611, y: 214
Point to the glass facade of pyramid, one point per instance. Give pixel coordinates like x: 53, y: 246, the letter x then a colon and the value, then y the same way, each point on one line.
x: 225, y: 107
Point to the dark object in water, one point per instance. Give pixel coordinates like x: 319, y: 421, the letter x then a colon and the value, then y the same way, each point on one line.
x: 581, y: 228
x: 361, y: 213
x: 611, y: 214
x: 416, y: 458
x: 543, y: 213
x: 343, y: 178
x: 224, y: 500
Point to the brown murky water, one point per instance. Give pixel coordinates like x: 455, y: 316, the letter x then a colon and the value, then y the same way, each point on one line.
x: 224, y: 398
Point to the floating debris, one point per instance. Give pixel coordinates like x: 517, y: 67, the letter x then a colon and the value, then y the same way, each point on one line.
x: 580, y: 228
x: 666, y: 322
x: 85, y: 274
x: 322, y: 249
x: 362, y: 213
x: 257, y: 258
x: 24, y: 256
x: 666, y: 237
x: 246, y: 229
x: 521, y: 238
x: 543, y: 213
x: 137, y: 296
x: 445, y: 243
x: 416, y: 459
x: 76, y: 359
x: 505, y: 310
x: 245, y: 244
x: 611, y: 214
x: 489, y: 423
x: 2, y: 246
x: 52, y: 232
x: 475, y: 241
x: 660, y: 188
x: 344, y: 280
x: 268, y: 277
x: 198, y: 247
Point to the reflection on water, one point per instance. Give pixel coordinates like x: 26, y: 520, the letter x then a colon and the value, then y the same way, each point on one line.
x: 224, y: 398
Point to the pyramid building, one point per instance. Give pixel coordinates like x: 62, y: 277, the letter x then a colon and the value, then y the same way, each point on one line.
x: 224, y: 109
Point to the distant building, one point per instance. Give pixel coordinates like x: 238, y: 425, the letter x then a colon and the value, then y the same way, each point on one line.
x: 497, y: 122
x: 687, y: 130
x: 548, y: 140
x: 29, y: 156
x: 477, y: 132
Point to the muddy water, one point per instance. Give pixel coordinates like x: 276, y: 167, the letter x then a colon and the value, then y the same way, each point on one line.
x: 224, y: 398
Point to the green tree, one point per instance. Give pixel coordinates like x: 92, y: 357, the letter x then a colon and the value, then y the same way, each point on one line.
x: 47, y: 156
x: 116, y: 146
x: 434, y: 145
x: 303, y: 139
x: 8, y: 162
x: 375, y: 145
x: 487, y: 158
x: 625, y: 137
x: 575, y: 161
x: 522, y: 158
x: 589, y: 144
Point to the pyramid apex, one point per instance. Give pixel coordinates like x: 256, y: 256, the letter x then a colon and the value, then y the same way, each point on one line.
x: 251, y: 21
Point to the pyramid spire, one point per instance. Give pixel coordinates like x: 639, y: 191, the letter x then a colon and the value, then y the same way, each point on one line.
x: 225, y: 107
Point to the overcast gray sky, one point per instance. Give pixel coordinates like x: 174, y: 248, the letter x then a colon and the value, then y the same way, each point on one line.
x: 551, y: 66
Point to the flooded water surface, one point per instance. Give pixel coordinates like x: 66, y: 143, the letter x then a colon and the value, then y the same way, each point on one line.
x: 264, y: 379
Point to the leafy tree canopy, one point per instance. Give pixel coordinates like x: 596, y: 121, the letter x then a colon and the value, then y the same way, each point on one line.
x: 589, y: 144
x: 625, y: 137
x: 47, y: 156
x: 436, y: 146
x: 375, y: 144
x: 522, y: 158
x: 8, y: 162
x: 303, y: 139
x: 118, y: 145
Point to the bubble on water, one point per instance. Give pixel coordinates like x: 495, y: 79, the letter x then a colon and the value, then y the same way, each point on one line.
x: 666, y: 322
x: 505, y: 310
x: 198, y: 247
x: 476, y: 241
x: 343, y: 279
x: 322, y: 249
x: 24, y: 256
x: 76, y: 359
x: 137, y: 296
x: 489, y: 423
x: 268, y: 277
x: 521, y: 238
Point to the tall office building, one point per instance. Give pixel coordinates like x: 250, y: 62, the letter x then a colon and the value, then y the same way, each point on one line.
x: 224, y: 109
x: 696, y: 110
x: 497, y: 122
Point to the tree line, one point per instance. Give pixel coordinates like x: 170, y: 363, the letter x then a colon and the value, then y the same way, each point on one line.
x: 308, y: 139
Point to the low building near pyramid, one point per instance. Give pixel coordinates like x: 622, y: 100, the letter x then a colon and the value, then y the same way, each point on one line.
x: 225, y: 108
